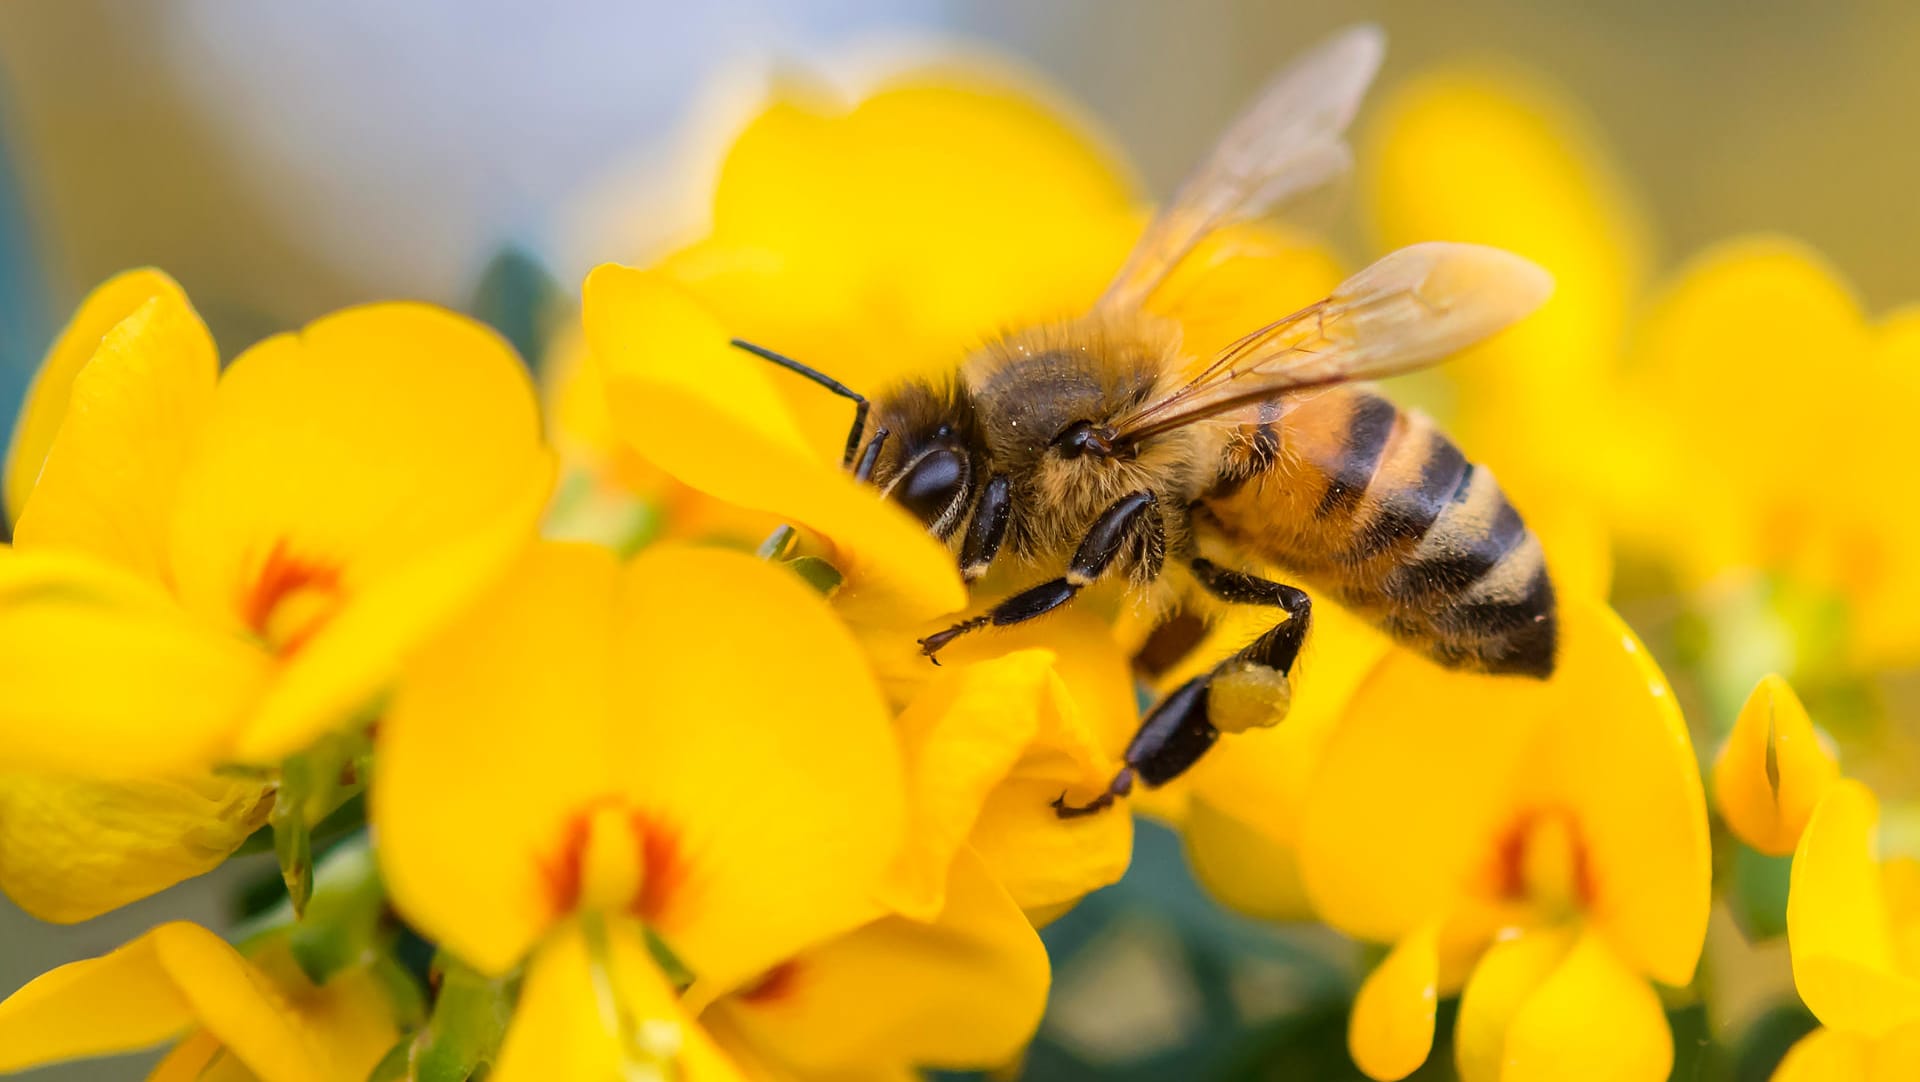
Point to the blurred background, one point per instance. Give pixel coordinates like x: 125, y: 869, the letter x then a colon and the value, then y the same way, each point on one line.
x: 282, y: 161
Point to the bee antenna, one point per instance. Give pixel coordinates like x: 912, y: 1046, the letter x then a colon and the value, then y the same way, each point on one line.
x: 824, y: 380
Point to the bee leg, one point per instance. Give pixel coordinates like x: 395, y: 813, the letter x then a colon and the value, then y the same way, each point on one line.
x: 1250, y: 688
x: 1109, y: 534
x: 988, y: 528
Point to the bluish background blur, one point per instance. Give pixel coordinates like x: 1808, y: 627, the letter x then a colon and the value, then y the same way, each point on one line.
x: 283, y: 161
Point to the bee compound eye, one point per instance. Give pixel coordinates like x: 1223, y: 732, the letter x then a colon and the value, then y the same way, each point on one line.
x: 932, y: 486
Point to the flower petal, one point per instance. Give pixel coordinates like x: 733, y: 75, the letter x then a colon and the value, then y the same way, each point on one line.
x: 959, y: 739
x: 148, y: 990
x: 1619, y: 760
x: 941, y: 208
x: 134, y: 413
x: 1412, y: 788
x: 73, y: 848
x: 965, y: 991
x: 1391, y: 1031
x: 106, y: 676
x: 1499, y: 986
x: 1772, y: 770
x: 1826, y: 1055
x: 1592, y: 1020
x: 708, y: 414
x: 514, y: 700
x: 569, y: 1018
x: 118, y: 1002
x: 751, y: 738
x: 45, y: 408
x: 1838, y: 925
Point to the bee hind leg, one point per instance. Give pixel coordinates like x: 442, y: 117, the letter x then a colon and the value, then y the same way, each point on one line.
x: 1249, y: 689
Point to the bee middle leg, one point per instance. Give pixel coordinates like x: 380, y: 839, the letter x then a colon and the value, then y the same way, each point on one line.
x: 1250, y: 689
x: 1110, y: 533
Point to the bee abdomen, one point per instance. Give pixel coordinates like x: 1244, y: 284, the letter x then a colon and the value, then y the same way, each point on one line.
x: 1375, y: 505
x: 1476, y: 583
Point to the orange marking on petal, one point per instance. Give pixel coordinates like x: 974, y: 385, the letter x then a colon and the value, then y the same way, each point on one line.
x: 1542, y: 859
x: 662, y: 869
x: 775, y: 985
x: 563, y: 871
x: 291, y: 599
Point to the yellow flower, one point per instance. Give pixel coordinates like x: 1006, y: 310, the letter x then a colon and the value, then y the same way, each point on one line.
x: 234, y: 1017
x: 242, y: 555
x: 211, y: 567
x: 1853, y: 926
x: 1546, y: 853
x: 690, y: 747
x: 1772, y: 770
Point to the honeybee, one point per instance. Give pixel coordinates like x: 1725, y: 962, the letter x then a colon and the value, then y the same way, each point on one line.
x: 1096, y: 448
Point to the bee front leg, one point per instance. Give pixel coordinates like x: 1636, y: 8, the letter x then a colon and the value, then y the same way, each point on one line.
x: 1104, y: 541
x: 1251, y: 688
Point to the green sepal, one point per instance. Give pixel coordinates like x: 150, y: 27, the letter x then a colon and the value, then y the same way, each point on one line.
x: 1758, y: 898
x: 462, y: 1037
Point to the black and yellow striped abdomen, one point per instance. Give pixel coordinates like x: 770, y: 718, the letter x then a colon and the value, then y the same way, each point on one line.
x: 1376, y: 508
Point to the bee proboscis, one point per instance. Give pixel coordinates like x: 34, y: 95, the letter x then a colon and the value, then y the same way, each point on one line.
x: 1095, y: 449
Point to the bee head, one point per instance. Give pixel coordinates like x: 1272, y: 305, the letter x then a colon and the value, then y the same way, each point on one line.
x: 927, y: 463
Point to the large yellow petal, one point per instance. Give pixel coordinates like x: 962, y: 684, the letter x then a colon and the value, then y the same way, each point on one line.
x: 1838, y: 925
x: 759, y: 756
x: 106, y: 676
x: 1880, y: 570
x: 1391, y: 1031
x: 939, y: 210
x: 1826, y: 1055
x: 73, y: 848
x: 45, y: 407
x: 151, y: 989
x: 1772, y: 770
x: 495, y: 742
x: 1592, y: 1020
x: 708, y: 414
x: 1246, y: 795
x: 1499, y: 986
x: 965, y: 991
x: 134, y: 413
x: 1617, y: 758
x: 959, y: 739
x: 1412, y: 790
x: 604, y: 1017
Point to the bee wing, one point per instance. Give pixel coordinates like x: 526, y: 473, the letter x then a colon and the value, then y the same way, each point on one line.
x: 1288, y: 141
x: 1408, y: 310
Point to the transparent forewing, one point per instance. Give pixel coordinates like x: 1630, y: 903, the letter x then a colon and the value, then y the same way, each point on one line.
x: 1410, y: 309
x: 1290, y: 140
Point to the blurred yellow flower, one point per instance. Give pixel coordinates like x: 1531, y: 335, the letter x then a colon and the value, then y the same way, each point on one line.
x: 214, y: 567
x: 1545, y: 852
x: 1853, y: 926
x: 1772, y: 770
x: 235, y: 1018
